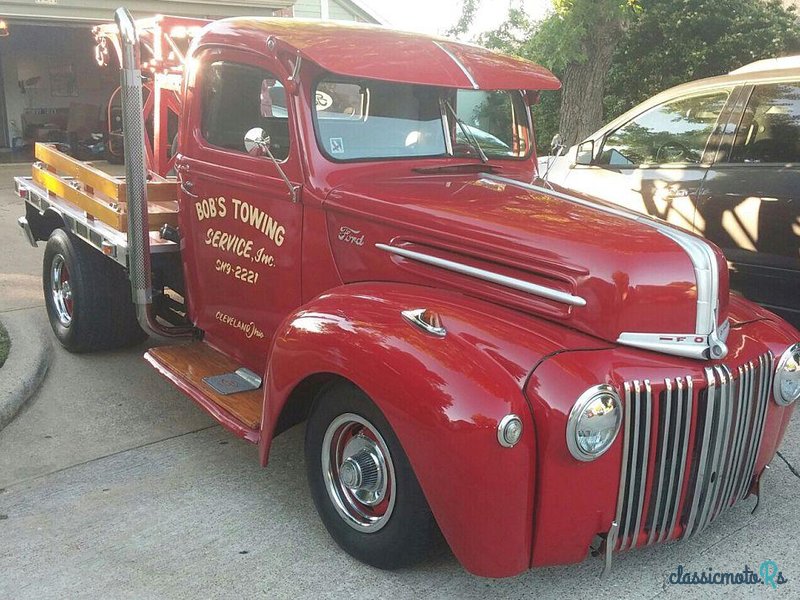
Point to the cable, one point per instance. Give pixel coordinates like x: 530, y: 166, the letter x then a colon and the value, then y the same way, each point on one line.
x: 788, y: 464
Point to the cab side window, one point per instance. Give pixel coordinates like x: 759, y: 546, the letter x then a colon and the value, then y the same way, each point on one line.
x: 769, y: 131
x: 236, y: 98
x: 673, y: 132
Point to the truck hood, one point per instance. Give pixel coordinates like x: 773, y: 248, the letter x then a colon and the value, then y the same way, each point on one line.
x: 590, y: 265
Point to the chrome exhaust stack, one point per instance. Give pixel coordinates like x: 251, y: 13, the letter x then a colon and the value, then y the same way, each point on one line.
x: 136, y: 180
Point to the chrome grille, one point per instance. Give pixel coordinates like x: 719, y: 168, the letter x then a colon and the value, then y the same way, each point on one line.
x: 689, y: 449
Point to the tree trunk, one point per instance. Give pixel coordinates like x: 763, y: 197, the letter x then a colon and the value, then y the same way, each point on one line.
x: 584, y: 83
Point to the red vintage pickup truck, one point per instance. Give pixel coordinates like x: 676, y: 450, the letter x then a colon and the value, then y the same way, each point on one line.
x: 348, y: 231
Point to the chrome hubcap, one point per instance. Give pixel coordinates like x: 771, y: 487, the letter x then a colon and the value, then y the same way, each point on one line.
x: 358, y: 472
x: 61, y: 290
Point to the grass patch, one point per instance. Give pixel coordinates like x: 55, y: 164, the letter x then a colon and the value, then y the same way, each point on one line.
x: 5, y: 344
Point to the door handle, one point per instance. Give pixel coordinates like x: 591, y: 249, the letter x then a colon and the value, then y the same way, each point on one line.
x: 187, y: 187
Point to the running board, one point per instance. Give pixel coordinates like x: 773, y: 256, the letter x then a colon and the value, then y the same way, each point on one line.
x: 233, y: 396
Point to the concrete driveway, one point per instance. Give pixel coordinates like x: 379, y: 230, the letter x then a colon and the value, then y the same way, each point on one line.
x: 113, y: 485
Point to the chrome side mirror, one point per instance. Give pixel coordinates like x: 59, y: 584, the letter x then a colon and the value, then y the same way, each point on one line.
x: 585, y: 154
x: 255, y: 138
x: 557, y: 145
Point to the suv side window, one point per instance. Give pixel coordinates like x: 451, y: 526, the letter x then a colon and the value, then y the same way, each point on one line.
x: 234, y: 99
x: 674, y: 132
x: 769, y: 131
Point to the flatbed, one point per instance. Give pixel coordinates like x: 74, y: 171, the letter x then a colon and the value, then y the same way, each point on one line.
x: 93, y: 203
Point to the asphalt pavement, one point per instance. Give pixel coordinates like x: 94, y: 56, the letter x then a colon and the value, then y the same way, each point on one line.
x: 114, y: 485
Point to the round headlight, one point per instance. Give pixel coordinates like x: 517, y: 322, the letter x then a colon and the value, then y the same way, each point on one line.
x: 787, y: 376
x: 594, y: 422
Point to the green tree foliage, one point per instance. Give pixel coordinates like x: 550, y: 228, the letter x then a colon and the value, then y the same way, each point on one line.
x: 468, y: 10
x: 577, y: 42
x: 565, y: 37
x: 675, y: 41
x: 656, y: 44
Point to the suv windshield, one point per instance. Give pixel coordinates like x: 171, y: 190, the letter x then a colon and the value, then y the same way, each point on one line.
x: 368, y: 119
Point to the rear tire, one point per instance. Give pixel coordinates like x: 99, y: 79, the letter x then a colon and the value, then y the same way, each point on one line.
x: 87, y: 296
x: 386, y: 521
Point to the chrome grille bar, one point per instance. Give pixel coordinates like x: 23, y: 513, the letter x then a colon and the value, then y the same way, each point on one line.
x: 622, y: 498
x: 638, y: 409
x: 734, y: 455
x: 701, y: 481
x: 746, y: 385
x: 722, y: 435
x: 689, y: 394
x: 765, y: 385
x: 665, y: 422
x: 752, y: 388
x: 717, y: 427
x: 690, y: 484
x: 646, y: 405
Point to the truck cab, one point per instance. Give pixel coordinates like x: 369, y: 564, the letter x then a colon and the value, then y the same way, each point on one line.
x: 360, y: 245
x: 265, y: 225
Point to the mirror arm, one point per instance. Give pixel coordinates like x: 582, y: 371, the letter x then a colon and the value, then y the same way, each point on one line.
x: 292, y: 191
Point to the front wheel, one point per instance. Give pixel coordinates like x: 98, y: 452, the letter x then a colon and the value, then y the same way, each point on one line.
x: 362, y: 483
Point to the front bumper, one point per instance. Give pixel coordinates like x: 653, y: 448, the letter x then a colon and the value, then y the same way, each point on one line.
x: 695, y: 438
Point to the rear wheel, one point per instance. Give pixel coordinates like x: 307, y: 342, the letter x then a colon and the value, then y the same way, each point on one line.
x: 87, y: 297
x: 362, y: 483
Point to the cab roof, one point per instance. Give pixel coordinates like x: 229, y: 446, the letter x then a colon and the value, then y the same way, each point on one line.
x: 374, y: 52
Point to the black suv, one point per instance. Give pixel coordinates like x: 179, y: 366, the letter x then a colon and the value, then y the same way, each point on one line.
x: 719, y: 156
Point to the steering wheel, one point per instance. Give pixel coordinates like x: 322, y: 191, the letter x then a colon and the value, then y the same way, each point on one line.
x: 672, y: 152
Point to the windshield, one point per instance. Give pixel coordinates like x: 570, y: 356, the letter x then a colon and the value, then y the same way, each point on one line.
x: 368, y: 119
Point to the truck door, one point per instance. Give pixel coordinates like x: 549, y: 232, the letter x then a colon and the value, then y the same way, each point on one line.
x: 750, y: 201
x: 240, y: 227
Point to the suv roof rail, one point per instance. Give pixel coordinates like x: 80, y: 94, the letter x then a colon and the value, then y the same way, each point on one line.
x: 769, y: 64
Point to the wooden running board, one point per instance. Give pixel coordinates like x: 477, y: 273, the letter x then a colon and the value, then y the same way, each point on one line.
x: 186, y: 366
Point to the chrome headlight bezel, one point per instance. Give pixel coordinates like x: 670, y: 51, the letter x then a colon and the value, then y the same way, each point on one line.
x: 792, y: 353
x: 576, y: 414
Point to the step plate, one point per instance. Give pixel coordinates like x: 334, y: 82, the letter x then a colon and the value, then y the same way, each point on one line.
x: 243, y: 380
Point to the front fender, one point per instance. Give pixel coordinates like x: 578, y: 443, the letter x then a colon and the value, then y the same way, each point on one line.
x: 442, y: 396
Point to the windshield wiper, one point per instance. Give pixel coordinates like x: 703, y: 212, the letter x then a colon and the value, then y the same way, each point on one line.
x: 471, y: 139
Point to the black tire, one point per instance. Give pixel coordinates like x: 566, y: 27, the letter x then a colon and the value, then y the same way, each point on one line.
x: 409, y: 531
x: 99, y: 311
